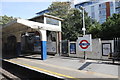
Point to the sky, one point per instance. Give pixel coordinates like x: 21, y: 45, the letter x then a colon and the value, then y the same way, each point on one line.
x: 25, y: 9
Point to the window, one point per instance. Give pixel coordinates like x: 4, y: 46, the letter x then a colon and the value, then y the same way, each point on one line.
x: 52, y: 21
x: 92, y: 12
x: 111, y: 11
x: 111, y: 4
x: 102, y: 19
x: 101, y: 6
x: 118, y: 10
x: 92, y: 8
x: 111, y: 8
x: 102, y: 12
x: 93, y: 15
x: 117, y: 4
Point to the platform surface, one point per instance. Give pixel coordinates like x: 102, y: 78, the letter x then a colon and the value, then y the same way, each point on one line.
x: 67, y: 67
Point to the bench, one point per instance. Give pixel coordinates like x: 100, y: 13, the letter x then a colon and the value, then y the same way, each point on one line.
x: 114, y: 56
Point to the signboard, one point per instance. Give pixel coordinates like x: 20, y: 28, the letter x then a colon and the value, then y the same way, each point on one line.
x: 72, y: 48
x: 106, y: 49
x: 84, y: 43
x: 51, y: 46
x: 37, y: 44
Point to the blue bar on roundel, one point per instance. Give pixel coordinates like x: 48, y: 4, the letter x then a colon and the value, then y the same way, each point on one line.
x: 43, y: 50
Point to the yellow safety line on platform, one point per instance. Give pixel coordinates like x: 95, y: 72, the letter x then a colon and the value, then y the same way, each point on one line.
x: 81, y: 71
x: 58, y: 74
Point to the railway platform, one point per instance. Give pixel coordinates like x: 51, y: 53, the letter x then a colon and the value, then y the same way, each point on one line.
x: 67, y: 67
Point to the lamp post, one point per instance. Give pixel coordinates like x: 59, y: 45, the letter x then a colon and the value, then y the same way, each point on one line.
x: 83, y: 29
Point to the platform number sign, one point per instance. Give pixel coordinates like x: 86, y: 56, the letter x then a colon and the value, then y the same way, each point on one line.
x: 85, y: 43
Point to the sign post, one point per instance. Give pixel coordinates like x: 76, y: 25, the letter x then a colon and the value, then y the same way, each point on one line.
x: 85, y: 44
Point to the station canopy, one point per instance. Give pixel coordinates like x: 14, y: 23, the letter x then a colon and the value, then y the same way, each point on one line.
x: 22, y: 23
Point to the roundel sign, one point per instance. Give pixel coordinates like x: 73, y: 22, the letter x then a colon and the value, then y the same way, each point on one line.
x: 84, y: 44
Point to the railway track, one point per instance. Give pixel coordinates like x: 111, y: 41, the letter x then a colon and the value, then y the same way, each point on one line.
x: 15, y: 72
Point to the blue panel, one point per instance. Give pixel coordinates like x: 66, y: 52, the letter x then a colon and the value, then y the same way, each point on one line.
x: 43, y: 50
x: 42, y: 12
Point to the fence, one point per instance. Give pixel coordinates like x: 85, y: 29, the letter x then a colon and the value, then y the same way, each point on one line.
x: 100, y: 48
x: 117, y: 45
x: 116, y: 55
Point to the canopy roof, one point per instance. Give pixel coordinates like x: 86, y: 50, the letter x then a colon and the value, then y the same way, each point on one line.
x: 20, y: 23
x: 49, y: 16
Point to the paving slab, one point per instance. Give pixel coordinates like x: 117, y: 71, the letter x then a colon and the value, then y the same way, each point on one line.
x: 69, y: 67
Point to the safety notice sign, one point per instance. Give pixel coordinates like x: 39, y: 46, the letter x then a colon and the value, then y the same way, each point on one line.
x: 84, y: 43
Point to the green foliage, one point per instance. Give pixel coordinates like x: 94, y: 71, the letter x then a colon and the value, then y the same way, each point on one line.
x: 59, y: 9
x: 95, y: 29
x: 73, y: 21
x: 71, y: 26
x: 111, y: 28
x: 5, y: 19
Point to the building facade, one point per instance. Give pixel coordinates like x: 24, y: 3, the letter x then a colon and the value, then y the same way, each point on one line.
x: 100, y: 10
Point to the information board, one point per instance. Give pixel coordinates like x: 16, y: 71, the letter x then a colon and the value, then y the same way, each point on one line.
x: 106, y: 49
x: 72, y: 48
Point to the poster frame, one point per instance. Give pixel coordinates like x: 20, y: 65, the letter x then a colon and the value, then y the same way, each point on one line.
x: 110, y: 49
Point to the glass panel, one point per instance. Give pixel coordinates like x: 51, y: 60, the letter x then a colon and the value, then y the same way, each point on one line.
x: 102, y: 12
x: 117, y: 4
x: 52, y: 21
x: 118, y: 10
x: 92, y: 8
x: 72, y: 48
x: 93, y: 15
x: 92, y: 12
x: 102, y: 19
x: 102, y: 6
x: 111, y: 4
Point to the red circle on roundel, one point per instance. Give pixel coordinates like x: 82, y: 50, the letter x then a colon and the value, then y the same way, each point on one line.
x: 85, y: 42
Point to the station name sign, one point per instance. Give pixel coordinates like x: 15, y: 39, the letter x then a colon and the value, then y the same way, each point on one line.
x: 84, y: 43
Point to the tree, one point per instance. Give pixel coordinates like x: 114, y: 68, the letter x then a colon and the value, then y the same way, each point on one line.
x: 59, y: 9
x: 72, y: 24
x: 5, y: 19
x: 95, y: 29
x: 111, y: 28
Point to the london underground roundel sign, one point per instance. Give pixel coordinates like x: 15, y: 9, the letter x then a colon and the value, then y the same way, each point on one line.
x: 84, y: 44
